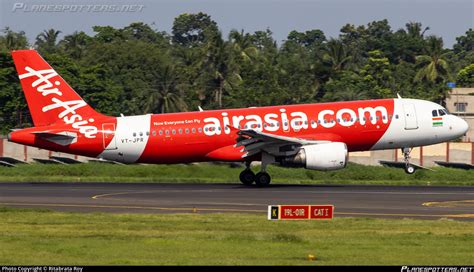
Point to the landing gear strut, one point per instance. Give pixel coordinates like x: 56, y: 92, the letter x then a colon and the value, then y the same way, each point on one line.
x: 262, y: 178
x: 409, y: 168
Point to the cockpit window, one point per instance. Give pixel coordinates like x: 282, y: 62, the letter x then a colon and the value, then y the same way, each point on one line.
x: 441, y: 112
x: 435, y: 113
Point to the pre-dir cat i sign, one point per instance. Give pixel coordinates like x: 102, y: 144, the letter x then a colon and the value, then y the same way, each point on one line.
x: 300, y: 212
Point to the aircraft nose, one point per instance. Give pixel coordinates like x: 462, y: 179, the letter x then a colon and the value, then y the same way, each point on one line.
x: 461, y: 126
x: 464, y: 126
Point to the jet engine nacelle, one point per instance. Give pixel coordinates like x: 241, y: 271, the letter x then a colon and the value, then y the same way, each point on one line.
x: 328, y: 156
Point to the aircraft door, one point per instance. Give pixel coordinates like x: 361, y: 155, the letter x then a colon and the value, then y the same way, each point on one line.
x: 411, y: 121
x: 108, y: 136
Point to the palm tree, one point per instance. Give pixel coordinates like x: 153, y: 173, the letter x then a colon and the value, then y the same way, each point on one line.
x: 164, y: 93
x: 336, y: 55
x: 432, y: 66
x: 222, y: 66
x: 14, y: 40
x: 414, y: 29
x: 75, y: 44
x: 46, y: 41
x: 243, y: 45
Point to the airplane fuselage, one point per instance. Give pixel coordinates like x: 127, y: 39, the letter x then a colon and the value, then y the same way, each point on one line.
x: 211, y: 135
x: 314, y: 136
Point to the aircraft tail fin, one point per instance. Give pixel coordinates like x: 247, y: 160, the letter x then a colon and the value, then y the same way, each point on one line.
x: 49, y: 97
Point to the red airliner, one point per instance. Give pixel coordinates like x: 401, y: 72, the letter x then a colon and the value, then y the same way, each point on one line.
x: 314, y: 136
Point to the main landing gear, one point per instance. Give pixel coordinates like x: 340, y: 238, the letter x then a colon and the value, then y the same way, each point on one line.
x: 262, y: 178
x: 409, y: 168
x: 247, y: 177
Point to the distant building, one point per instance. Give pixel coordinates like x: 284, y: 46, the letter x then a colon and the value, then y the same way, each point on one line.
x: 461, y: 103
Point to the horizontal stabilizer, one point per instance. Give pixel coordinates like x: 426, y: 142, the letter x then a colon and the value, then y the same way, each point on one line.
x: 61, y: 138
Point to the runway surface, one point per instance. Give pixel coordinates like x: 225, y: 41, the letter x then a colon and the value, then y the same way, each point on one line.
x: 355, y: 201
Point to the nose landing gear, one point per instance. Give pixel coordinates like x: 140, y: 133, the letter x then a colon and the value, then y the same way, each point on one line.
x: 409, y: 168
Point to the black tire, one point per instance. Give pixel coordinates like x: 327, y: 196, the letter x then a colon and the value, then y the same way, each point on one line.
x: 247, y: 177
x: 410, y: 169
x: 262, y: 179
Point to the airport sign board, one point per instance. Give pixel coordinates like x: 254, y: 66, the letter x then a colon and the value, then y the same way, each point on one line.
x: 300, y: 212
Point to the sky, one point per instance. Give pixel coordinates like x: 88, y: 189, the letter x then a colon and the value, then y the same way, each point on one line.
x: 446, y: 18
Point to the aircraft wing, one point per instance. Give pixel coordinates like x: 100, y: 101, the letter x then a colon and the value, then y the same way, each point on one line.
x: 255, y: 142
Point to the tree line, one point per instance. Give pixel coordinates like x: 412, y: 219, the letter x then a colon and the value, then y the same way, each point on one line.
x: 138, y: 69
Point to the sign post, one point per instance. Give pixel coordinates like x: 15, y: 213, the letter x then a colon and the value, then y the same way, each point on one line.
x: 300, y: 212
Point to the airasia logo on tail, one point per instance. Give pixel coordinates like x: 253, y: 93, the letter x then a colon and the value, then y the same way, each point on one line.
x: 45, y: 87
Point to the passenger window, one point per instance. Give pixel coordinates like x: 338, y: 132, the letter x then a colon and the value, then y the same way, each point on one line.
x: 161, y: 132
x: 180, y: 131
x: 153, y: 132
x: 134, y: 134
x: 167, y: 132
x: 194, y: 130
x: 200, y: 130
x: 434, y: 113
x: 187, y: 131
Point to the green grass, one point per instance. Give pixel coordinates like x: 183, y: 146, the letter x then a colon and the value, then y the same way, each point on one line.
x: 210, y: 173
x: 32, y: 237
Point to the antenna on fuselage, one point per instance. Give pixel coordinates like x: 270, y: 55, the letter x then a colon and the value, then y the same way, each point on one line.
x: 398, y: 95
x: 200, y: 109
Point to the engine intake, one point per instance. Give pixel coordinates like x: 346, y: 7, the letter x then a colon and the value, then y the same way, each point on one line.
x: 329, y: 156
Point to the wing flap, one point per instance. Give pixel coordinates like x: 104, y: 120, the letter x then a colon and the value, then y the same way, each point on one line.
x: 254, y: 142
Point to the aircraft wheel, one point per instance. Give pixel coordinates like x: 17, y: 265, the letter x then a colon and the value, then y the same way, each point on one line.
x: 262, y: 179
x: 410, y: 169
x: 247, y: 177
